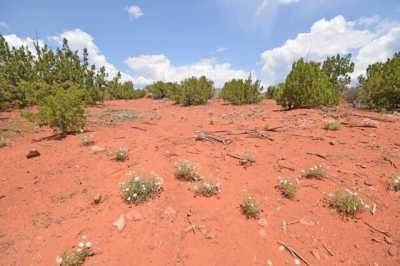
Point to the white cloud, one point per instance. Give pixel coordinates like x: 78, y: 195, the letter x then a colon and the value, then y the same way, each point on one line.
x: 15, y: 41
x: 265, y: 3
x: 150, y: 68
x: 78, y: 39
x: 135, y: 11
x: 368, y: 39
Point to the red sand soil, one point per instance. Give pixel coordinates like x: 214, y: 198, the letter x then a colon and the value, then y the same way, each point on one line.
x: 46, y: 202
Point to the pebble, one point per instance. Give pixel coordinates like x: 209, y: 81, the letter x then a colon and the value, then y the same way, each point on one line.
x: 32, y: 154
x: 97, y: 198
x: 120, y: 223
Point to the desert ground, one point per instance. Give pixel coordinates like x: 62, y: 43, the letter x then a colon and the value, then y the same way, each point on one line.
x: 49, y: 202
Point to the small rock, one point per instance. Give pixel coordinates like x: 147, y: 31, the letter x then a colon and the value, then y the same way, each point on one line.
x: 96, y: 149
x: 262, y: 222
x: 119, y: 224
x: 97, y: 198
x: 392, y: 251
x: 134, y: 215
x: 262, y: 233
x: 169, y: 213
x: 389, y: 240
x: 33, y: 153
x: 332, y: 143
x: 315, y: 253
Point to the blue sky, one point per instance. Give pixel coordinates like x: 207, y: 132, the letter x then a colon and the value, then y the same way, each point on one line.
x: 149, y: 40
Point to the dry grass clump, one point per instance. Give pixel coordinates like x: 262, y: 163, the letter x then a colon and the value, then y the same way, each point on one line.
x: 86, y: 140
x: 332, y: 125
x: 247, y: 158
x: 78, y: 256
x: 186, y: 170
x: 394, y: 183
x: 287, y: 187
x: 249, y: 207
x: 347, y: 202
x: 316, y: 171
x: 3, y: 142
x: 207, y: 188
x: 121, y: 154
x: 141, y: 187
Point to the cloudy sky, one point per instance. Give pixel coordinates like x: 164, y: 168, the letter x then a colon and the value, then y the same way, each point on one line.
x: 150, y: 40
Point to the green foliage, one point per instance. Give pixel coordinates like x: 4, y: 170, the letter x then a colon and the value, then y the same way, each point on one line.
x: 239, y: 91
x: 186, y: 170
x: 193, y: 91
x: 141, y: 187
x: 348, y: 202
x: 250, y: 207
x: 338, y: 68
x: 160, y: 89
x: 307, y: 86
x: 287, y: 187
x: 121, y: 154
x: 64, y: 111
x: 274, y: 92
x: 78, y: 256
x: 380, y: 89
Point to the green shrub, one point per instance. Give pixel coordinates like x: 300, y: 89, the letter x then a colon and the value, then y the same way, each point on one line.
x: 160, y: 89
x: 207, y: 188
x: 186, y: 170
x: 193, y: 91
x: 141, y: 187
x: 338, y: 68
x: 307, y: 86
x: 332, y: 125
x: 348, y: 202
x: 78, y: 256
x: 121, y: 154
x: 394, y: 183
x: 287, y: 187
x: 239, y: 91
x: 380, y: 89
x: 316, y: 171
x: 274, y: 92
x: 64, y: 111
x: 250, y: 207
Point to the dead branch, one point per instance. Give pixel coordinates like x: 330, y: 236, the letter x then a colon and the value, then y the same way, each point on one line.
x: 390, y: 161
x: 139, y: 128
x: 328, y: 250
x: 386, y: 233
x: 318, y: 155
x: 293, y: 252
x: 202, y: 136
x: 273, y: 129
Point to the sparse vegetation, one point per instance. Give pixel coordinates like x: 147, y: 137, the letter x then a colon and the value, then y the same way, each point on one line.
x: 141, y: 187
x: 121, y: 154
x: 247, y: 158
x: 348, y: 202
x: 78, y: 256
x: 316, y: 171
x: 86, y: 140
x: 160, y: 89
x: 332, y: 125
x: 207, y: 188
x: 239, y: 91
x: 249, y: 207
x: 186, y: 170
x: 394, y: 183
x: 287, y: 187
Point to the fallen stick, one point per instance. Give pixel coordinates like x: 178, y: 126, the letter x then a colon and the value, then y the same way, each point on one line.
x: 139, y: 128
x: 201, y: 136
x: 274, y: 129
x: 328, y: 250
x: 293, y: 252
x: 386, y: 233
x: 318, y: 155
x: 390, y: 161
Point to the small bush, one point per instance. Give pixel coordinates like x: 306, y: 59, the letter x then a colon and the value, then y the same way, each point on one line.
x: 316, y: 171
x: 141, y: 187
x: 86, y: 140
x: 307, y: 86
x: 333, y: 125
x: 193, y: 91
x: 121, y: 154
x: 247, y: 158
x: 287, y: 187
x: 239, y: 91
x: 207, y: 188
x: 394, y: 183
x: 3, y: 142
x: 249, y: 207
x: 77, y: 257
x: 348, y: 202
x: 160, y: 89
x: 64, y: 111
x: 186, y: 170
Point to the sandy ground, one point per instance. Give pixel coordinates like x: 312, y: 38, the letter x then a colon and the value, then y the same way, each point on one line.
x: 46, y: 202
